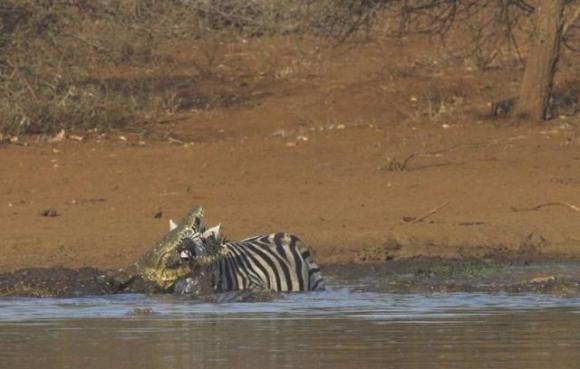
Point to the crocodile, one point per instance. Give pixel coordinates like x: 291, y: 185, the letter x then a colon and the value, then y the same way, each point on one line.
x: 165, y: 263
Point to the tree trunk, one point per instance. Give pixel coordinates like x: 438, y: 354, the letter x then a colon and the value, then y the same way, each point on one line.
x: 538, y: 78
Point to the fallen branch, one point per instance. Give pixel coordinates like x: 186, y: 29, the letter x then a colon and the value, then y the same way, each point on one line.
x: 395, y: 165
x: 543, y: 205
x: 413, y: 220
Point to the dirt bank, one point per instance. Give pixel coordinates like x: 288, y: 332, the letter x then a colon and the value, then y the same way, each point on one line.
x: 351, y: 155
x: 496, y: 192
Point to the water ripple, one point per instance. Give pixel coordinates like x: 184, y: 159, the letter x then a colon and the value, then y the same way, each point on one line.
x: 338, y: 303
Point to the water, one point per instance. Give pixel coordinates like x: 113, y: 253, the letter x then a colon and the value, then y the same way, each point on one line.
x: 336, y: 329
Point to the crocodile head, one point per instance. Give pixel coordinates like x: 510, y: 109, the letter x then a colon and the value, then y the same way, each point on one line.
x: 171, y: 258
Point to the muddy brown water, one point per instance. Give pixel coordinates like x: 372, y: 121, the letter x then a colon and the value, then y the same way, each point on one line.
x: 340, y: 328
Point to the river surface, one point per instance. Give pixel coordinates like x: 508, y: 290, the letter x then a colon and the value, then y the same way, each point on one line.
x: 334, y: 329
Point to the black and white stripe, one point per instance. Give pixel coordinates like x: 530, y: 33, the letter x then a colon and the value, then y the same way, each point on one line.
x: 276, y: 262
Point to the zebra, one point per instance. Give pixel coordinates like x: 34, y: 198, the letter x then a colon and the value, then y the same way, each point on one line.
x: 278, y: 262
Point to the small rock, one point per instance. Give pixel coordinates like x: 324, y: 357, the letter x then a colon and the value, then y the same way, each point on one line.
x: 142, y: 312
x: 50, y: 212
x: 279, y: 133
x: 58, y: 137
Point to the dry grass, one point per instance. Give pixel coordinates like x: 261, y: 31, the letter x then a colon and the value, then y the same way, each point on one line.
x: 101, y: 64
x: 95, y: 64
x: 49, y: 55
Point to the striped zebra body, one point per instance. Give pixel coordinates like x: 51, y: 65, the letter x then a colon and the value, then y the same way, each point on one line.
x: 277, y: 262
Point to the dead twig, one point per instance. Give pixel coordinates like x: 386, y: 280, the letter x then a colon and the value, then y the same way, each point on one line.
x: 546, y: 204
x: 571, y: 22
x: 413, y: 220
x: 94, y: 45
x: 399, y: 166
x: 395, y: 165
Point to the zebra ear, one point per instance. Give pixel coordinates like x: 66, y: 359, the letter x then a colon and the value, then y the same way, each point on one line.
x: 216, y: 232
x: 172, y: 225
x: 198, y: 224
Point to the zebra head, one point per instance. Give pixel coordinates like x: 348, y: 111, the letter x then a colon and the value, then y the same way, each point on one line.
x: 200, y: 248
x: 196, y: 241
x: 169, y: 260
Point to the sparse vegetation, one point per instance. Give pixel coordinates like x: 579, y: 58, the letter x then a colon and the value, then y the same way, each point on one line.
x: 52, y: 63
x: 97, y: 65
x: 106, y: 64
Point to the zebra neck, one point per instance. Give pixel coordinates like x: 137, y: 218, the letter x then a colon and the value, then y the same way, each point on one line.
x: 213, y: 258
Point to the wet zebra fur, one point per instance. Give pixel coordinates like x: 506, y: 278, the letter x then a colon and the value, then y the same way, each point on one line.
x: 278, y: 262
